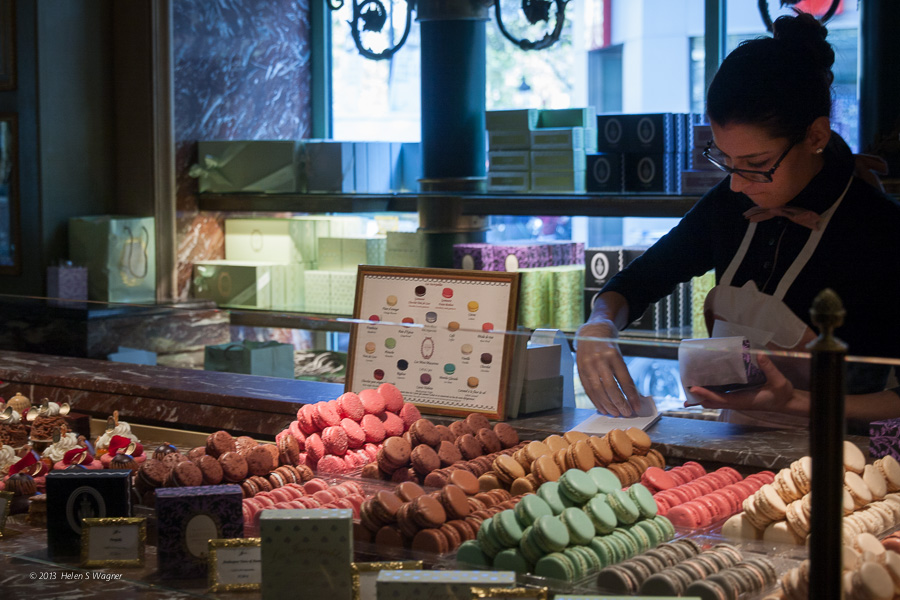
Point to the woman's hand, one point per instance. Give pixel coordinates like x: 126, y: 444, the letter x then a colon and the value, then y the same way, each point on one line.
x: 603, y: 373
x: 778, y: 394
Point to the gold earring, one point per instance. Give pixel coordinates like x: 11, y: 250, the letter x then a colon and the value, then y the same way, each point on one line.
x: 819, y: 150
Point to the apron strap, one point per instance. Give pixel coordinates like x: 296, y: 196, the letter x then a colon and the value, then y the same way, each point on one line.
x: 738, y: 256
x: 809, y: 248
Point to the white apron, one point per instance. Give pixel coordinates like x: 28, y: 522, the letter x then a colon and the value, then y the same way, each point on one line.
x: 766, y: 321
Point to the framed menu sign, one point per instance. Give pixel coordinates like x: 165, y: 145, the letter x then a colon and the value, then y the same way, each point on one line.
x: 437, y: 334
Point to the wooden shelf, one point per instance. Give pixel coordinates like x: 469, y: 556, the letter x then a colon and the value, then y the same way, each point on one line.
x: 586, y: 205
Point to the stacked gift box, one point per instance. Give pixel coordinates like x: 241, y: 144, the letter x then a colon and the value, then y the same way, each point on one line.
x: 539, y: 150
x: 638, y: 153
x: 299, y: 166
x: 699, y: 175
x: 300, y: 263
x: 601, y: 264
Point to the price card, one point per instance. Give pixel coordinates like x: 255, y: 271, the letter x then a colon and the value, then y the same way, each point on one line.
x: 235, y: 565
x: 113, y: 542
x: 365, y: 575
x: 439, y: 335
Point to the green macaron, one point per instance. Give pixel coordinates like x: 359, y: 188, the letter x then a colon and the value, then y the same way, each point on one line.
x: 580, y: 527
x: 645, y: 501
x: 487, y: 539
x: 555, y: 566
x: 578, y: 561
x: 506, y: 528
x: 651, y: 530
x: 511, y: 559
x: 605, y: 551
x: 666, y: 525
x: 577, y: 486
x: 640, y: 537
x: 530, y: 507
x: 627, y: 542
x: 600, y: 514
x: 550, y: 534
x: 605, y: 479
x: 549, y: 493
x: 528, y: 547
x: 626, y: 510
x: 469, y: 552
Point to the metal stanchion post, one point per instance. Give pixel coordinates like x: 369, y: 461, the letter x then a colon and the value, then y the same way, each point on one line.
x: 826, y: 445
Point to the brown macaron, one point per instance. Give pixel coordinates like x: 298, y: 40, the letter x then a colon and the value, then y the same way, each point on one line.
x: 620, y: 443
x: 424, y: 459
x: 259, y: 461
x: 469, y: 446
x: 409, y: 491
x: 219, y: 443
x: 432, y: 541
x: 580, y: 456
x: 448, y: 453
x: 445, y: 433
x: 466, y: 481
x: 477, y: 421
x: 507, y: 435
x: 211, y: 470
x: 384, y: 507
x: 489, y: 440
x: 288, y: 450
x: 234, y: 467
x: 640, y: 441
x: 545, y: 469
x: 427, y: 512
x: 458, y: 428
x: 507, y: 469
x: 455, y: 502
x: 424, y: 431
x: 603, y: 454
x: 185, y: 474
x: 244, y: 444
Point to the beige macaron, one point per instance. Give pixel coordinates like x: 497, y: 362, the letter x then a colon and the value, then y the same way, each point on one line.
x: 779, y: 533
x: 875, y: 480
x: 854, y: 459
x: 890, y: 468
x: 797, y: 519
x: 801, y: 470
x: 769, y: 503
x: 785, y: 486
x: 739, y: 528
x: 872, y: 580
x: 892, y: 564
x: 858, y: 489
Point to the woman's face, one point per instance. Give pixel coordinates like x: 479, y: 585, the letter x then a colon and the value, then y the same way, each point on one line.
x: 751, y: 147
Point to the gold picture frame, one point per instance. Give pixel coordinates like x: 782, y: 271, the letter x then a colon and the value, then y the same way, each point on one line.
x: 500, y: 593
x: 5, y: 504
x: 365, y: 573
x: 439, y: 335
x: 97, y: 537
x: 246, y: 550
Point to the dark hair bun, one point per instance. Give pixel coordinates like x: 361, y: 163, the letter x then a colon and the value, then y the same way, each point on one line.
x: 806, y: 36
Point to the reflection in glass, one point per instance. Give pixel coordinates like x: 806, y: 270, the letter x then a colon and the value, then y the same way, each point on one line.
x: 8, y: 198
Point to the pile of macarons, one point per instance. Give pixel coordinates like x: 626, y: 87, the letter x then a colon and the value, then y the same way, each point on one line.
x: 426, y: 453
x: 315, y: 493
x: 780, y: 511
x: 626, y: 453
x: 435, y: 522
x: 681, y: 568
x: 692, y: 498
x: 344, y: 434
x: 870, y: 572
x: 570, y: 528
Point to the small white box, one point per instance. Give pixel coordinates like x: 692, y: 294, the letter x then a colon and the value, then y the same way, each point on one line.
x: 509, y: 160
x: 331, y: 254
x: 288, y: 287
x: 557, y: 181
x: 542, y: 362
x: 508, y: 181
x: 558, y: 138
x: 522, y: 119
x: 343, y: 292
x: 558, y: 160
x: 509, y: 140
x: 317, y: 291
x: 438, y: 585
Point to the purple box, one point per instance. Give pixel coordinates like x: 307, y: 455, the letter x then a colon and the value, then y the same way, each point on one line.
x: 187, y: 518
x: 884, y: 438
x: 476, y: 257
x: 512, y: 257
x: 67, y: 283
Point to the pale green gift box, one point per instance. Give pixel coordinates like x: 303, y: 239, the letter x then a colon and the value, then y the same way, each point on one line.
x: 330, y: 292
x: 306, y: 553
x: 239, y: 284
x: 250, y: 166
x: 566, y: 297
x: 275, y: 240
x: 120, y: 255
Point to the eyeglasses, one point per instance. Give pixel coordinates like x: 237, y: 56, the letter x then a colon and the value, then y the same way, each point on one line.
x: 748, y: 174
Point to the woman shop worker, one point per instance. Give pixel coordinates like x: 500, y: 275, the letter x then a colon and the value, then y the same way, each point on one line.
x: 791, y: 219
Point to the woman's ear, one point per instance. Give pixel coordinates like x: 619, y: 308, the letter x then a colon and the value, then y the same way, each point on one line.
x: 818, y: 134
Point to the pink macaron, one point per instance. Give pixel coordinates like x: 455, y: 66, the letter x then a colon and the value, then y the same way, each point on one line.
x: 393, y: 398
x: 325, y: 415
x: 685, y: 516
x: 373, y: 428
x: 656, y: 480
x: 731, y: 474
x: 335, y: 440
x: 298, y: 434
x: 315, y: 448
x: 306, y: 420
x: 356, y: 437
x: 350, y: 406
x: 695, y: 468
x: 372, y: 402
x: 410, y: 414
x: 372, y: 449
x: 332, y: 464
x: 680, y: 475
x: 393, y: 425
x: 314, y: 485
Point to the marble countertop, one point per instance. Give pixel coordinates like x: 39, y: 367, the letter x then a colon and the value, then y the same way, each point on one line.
x: 262, y: 406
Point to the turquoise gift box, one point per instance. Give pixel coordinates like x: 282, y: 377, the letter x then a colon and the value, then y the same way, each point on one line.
x: 250, y: 166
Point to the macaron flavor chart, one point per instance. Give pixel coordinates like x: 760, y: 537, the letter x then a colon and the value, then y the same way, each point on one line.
x: 440, y: 340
